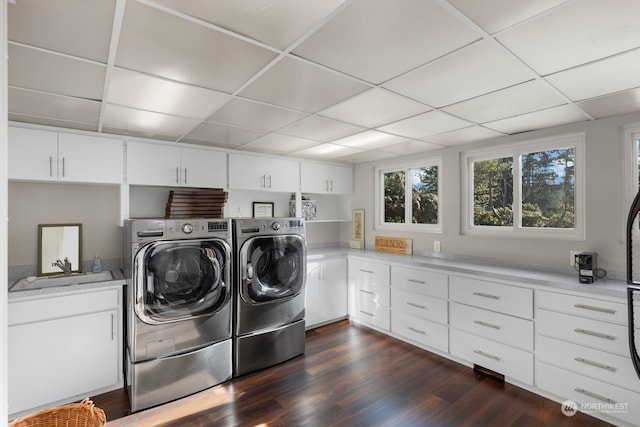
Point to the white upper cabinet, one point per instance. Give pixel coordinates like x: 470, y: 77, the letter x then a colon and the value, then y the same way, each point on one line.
x: 167, y: 165
x: 249, y: 172
x: 325, y: 178
x: 40, y: 155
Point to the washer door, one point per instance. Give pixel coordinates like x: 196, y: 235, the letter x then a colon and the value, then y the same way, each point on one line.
x: 178, y: 280
x: 272, y: 268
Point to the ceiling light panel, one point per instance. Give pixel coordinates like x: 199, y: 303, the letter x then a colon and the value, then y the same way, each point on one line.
x: 228, y: 135
x: 164, y: 45
x: 555, y: 116
x: 327, y: 152
x: 597, y: 29
x: 369, y: 140
x: 464, y: 136
x: 475, y: 70
x: 65, y: 75
x: 320, y: 129
x: 52, y: 106
x: 619, y: 103
x: 409, y: 147
x: 277, y: 23
x: 376, y: 40
x: 79, y: 28
x: 365, y: 156
x: 254, y: 115
x: 150, y: 124
x: 375, y: 107
x: 426, y: 124
x: 300, y: 85
x: 523, y: 98
x: 275, y: 143
x: 145, y: 92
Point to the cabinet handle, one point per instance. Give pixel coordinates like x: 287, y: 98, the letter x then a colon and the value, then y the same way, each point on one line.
x: 177, y: 175
x: 488, y: 325
x: 418, y: 331
x: 185, y: 176
x: 413, y: 304
x: 112, y: 327
x: 263, y: 181
x: 420, y: 282
x: 269, y: 181
x: 326, y: 186
x: 594, y: 308
x: 331, y: 181
x: 51, y: 166
x: 63, y: 167
x: 594, y: 395
x: 596, y: 364
x: 367, y: 292
x: 482, y: 294
x: 367, y: 271
x: 594, y: 334
x: 490, y: 356
x: 364, y: 312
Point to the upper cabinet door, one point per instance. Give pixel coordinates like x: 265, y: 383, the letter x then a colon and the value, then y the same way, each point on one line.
x: 325, y: 178
x: 203, y: 168
x: 83, y: 158
x: 248, y: 172
x: 33, y: 154
x: 153, y: 164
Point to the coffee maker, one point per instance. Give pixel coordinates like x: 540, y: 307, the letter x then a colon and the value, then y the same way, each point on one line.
x: 587, y: 265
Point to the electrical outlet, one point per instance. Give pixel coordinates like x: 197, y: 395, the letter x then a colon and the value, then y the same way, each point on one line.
x: 572, y: 257
x: 436, y: 245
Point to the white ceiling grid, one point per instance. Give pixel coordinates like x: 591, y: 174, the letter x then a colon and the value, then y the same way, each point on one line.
x: 341, y: 80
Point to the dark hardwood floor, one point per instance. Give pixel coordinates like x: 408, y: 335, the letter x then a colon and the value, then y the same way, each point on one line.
x: 353, y: 376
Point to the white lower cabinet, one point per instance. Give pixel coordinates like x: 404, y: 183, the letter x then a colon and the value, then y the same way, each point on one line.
x: 369, y: 293
x: 326, y: 291
x: 64, y: 348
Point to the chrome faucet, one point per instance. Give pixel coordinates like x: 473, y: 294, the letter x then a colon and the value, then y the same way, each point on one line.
x: 65, y: 267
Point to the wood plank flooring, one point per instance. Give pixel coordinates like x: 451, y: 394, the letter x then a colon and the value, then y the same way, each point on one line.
x: 353, y: 376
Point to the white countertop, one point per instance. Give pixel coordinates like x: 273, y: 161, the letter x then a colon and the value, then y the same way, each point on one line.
x: 118, y: 280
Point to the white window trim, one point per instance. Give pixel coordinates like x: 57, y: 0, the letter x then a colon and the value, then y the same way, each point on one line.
x: 628, y: 174
x: 575, y: 140
x: 379, y: 200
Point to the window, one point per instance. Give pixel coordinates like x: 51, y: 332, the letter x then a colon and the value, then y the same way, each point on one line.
x: 527, y: 188
x: 409, y: 197
x: 629, y: 172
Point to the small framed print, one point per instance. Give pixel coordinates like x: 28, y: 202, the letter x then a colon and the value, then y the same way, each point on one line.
x: 263, y: 209
x: 358, y: 224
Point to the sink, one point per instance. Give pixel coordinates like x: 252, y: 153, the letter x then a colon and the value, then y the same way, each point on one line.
x: 52, y: 281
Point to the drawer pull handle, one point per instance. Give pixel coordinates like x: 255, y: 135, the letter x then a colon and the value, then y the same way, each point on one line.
x: 420, y: 282
x: 594, y: 395
x: 596, y: 364
x: 367, y: 292
x: 416, y: 330
x: 482, y: 294
x: 488, y: 325
x: 594, y: 308
x: 364, y: 312
x: 367, y: 271
x: 595, y: 334
x: 413, y: 304
x: 490, y: 356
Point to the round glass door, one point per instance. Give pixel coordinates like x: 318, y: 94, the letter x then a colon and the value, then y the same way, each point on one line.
x: 274, y: 268
x: 183, y: 279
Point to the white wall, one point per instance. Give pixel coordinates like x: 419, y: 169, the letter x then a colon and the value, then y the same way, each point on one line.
x: 602, y: 202
x: 3, y: 212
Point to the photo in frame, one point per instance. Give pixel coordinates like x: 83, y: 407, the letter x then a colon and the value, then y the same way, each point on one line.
x: 263, y: 209
x: 357, y: 238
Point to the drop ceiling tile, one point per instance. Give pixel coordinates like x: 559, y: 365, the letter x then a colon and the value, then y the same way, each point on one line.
x: 164, y: 45
x: 606, y: 106
x: 51, y: 106
x: 614, y: 74
x: 303, y: 86
x: 555, y: 116
x: 369, y: 140
x: 430, y: 123
x: 523, y: 98
x: 320, y: 129
x: 147, y: 123
x: 409, y: 147
x: 245, y: 113
x: 496, y: 15
x: 214, y: 144
x: 278, y: 23
x: 469, y: 72
x: 216, y: 133
x: 275, y: 143
x: 464, y: 136
x: 597, y: 29
x: 52, y: 122
x: 376, y: 40
x: 46, y: 24
x: 145, y: 92
x: 365, y: 156
x: 375, y: 107
x: 48, y: 72
x: 326, y: 152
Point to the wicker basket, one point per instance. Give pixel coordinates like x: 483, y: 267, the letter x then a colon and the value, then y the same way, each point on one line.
x: 83, y: 414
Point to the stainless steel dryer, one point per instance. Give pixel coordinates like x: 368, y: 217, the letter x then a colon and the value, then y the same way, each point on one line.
x: 179, y: 308
x: 271, y: 259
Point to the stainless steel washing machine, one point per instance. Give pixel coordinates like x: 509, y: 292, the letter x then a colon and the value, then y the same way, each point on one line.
x: 179, y: 308
x: 271, y: 259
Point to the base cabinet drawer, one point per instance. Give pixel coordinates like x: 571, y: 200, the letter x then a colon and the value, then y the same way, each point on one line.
x: 506, y: 299
x: 420, y: 330
x: 589, y: 394
x: 588, y: 361
x: 420, y: 305
x: 582, y: 306
x: 372, y: 313
x: 420, y: 281
x: 506, y: 360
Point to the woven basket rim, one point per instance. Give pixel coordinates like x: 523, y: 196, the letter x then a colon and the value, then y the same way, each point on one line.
x: 93, y: 414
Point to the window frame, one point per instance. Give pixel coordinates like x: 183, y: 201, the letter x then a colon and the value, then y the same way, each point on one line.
x: 515, y: 150
x: 407, y: 226
x: 628, y: 173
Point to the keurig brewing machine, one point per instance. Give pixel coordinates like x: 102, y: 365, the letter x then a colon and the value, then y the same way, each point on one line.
x: 587, y: 265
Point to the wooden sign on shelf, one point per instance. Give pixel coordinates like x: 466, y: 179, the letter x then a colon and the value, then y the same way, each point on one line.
x: 394, y: 245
